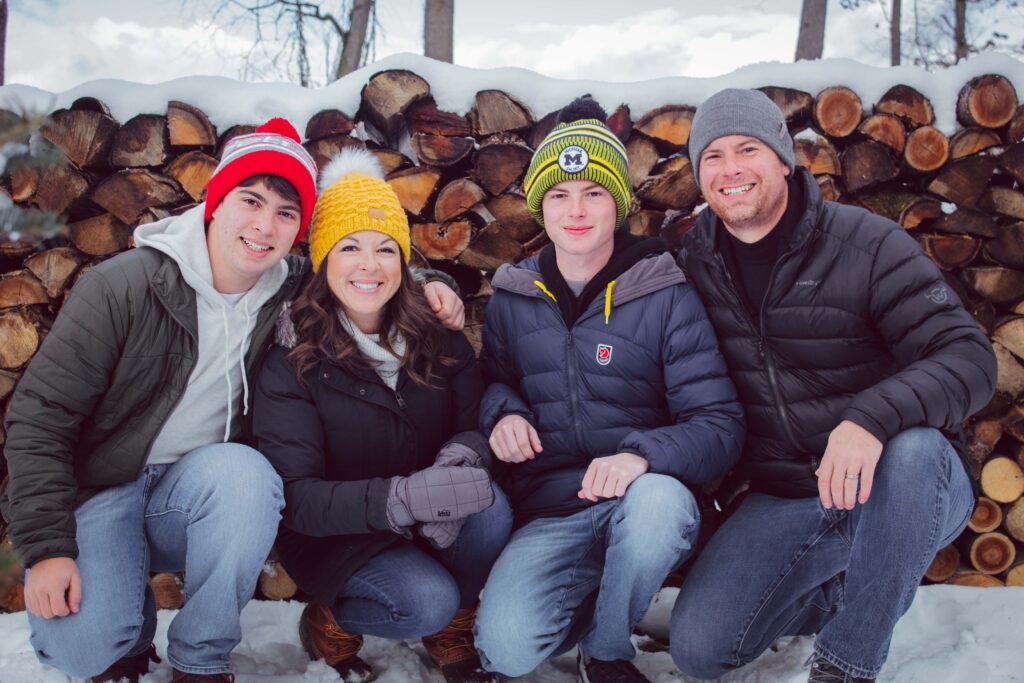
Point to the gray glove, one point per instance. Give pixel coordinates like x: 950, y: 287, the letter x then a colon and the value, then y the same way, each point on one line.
x: 465, y: 449
x: 442, y: 534
x: 437, y: 494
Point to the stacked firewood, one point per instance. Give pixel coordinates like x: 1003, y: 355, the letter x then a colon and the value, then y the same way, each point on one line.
x: 459, y: 178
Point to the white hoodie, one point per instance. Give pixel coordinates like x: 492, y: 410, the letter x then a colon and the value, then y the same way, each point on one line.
x: 208, y: 412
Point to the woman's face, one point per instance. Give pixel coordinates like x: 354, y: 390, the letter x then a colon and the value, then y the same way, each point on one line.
x: 364, y: 270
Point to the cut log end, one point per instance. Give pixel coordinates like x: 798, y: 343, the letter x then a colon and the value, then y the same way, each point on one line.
x: 992, y: 553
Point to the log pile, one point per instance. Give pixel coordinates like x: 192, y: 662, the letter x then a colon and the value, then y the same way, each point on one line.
x: 459, y: 178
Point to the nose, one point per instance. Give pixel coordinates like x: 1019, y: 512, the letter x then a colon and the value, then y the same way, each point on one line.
x: 576, y: 209
x: 729, y: 164
x: 369, y: 260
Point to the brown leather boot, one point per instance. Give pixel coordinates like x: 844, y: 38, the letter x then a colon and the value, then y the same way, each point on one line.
x: 128, y: 668
x: 453, y: 650
x: 324, y: 639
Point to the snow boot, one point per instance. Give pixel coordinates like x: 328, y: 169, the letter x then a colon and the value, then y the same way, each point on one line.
x: 128, y: 668
x: 182, y: 677
x: 453, y: 650
x: 824, y: 671
x: 611, y: 671
x: 324, y: 639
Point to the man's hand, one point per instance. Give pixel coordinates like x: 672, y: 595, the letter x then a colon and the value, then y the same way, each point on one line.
x: 514, y: 439
x: 47, y: 583
x: 446, y: 305
x: 852, y: 450
x: 610, y: 476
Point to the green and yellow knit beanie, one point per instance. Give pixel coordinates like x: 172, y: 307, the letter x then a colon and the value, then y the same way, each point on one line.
x: 580, y: 147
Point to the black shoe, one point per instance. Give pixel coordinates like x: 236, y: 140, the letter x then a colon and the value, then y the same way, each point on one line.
x: 128, y: 668
x: 614, y: 671
x: 824, y: 671
x: 183, y: 677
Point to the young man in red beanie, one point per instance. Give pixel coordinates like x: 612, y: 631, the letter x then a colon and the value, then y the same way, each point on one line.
x: 123, y: 435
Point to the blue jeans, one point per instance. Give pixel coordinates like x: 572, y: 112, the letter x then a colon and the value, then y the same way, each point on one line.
x: 622, y: 549
x: 413, y: 590
x: 214, y: 515
x: 781, y: 567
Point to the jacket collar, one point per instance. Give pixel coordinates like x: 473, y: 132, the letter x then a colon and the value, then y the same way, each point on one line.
x: 701, y: 241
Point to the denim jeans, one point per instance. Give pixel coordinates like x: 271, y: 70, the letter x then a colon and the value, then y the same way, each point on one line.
x: 413, y: 590
x: 214, y: 515
x: 537, y: 601
x: 781, y: 567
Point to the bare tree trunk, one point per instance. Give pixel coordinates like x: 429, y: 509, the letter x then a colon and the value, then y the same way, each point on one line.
x: 438, y: 19
x: 352, y: 47
x: 960, y: 35
x: 894, y: 33
x: 811, y: 40
x: 3, y: 37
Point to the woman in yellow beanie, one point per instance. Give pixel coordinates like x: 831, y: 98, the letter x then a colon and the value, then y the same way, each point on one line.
x: 368, y: 409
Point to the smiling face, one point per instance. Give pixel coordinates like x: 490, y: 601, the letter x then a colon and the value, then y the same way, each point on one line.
x: 364, y: 270
x: 579, y: 217
x: 744, y: 183
x: 249, y: 233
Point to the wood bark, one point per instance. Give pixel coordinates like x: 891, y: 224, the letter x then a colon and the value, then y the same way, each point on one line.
x: 1015, y: 130
x: 913, y: 108
x: 84, y: 136
x: 386, y: 96
x: 967, y: 221
x: 21, y: 288
x: 673, y: 188
x: 1012, y: 161
x: 837, y: 111
x: 423, y: 116
x: 667, y: 126
x: 886, y: 129
x: 818, y: 156
x: 101, y: 235
x: 490, y: 248
x: 501, y: 162
x: 1001, y: 286
x: 328, y: 122
x: 457, y: 197
x: 1002, y: 480
x: 497, y: 112
x: 126, y: 194
x: 188, y: 126
x: 515, y: 219
x: 963, y: 181
x: 354, y: 39
x: 974, y: 580
x: 442, y: 240
x: 927, y: 150
x: 54, y: 268
x: 620, y: 122
x: 642, y: 154
x: 58, y: 188
x: 324, y: 149
x: 1004, y: 201
x: 987, y: 516
x: 192, y: 171
x: 796, y: 105
x: 921, y: 212
x: 810, y: 40
x: 438, y: 23
x: 441, y: 150
x: 866, y: 164
x: 142, y: 141
x: 415, y: 187
x: 992, y: 553
x: 944, y: 565
x: 1013, y: 520
x: 969, y: 141
x: 19, y: 339
x: 987, y: 101
x: 1010, y: 373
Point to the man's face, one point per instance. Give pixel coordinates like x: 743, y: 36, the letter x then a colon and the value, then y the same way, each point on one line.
x: 249, y: 233
x: 744, y: 183
x: 579, y: 217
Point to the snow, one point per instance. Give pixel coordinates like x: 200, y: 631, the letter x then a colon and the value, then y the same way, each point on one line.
x: 951, y: 633
x: 228, y: 102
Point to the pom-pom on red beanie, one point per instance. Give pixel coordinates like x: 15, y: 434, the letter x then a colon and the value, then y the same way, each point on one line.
x: 274, y: 149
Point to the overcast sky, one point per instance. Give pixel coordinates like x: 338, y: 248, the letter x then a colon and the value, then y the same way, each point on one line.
x: 57, y: 44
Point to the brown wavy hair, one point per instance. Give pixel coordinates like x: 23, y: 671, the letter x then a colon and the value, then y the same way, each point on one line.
x: 321, y: 335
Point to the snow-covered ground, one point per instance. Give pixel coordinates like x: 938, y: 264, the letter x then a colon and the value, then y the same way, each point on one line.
x: 951, y: 634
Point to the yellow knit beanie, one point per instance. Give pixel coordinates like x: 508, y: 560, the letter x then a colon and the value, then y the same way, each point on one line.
x: 354, y: 197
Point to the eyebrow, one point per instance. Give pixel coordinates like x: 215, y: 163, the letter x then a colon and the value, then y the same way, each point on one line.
x: 290, y: 206
x: 356, y: 240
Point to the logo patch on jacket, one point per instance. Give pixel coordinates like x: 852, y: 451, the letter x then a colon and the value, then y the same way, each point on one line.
x: 604, y: 354
x: 938, y: 295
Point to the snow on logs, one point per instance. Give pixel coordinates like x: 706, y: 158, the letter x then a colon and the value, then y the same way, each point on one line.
x: 459, y: 178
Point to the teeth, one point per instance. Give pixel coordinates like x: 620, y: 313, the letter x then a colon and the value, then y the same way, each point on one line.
x: 366, y: 285
x: 737, y: 190
x: 255, y: 247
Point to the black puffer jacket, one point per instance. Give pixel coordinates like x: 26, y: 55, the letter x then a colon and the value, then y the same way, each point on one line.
x: 857, y: 324
x: 336, y: 440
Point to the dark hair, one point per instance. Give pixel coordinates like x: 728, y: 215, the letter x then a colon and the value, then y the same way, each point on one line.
x: 321, y: 335
x: 276, y: 183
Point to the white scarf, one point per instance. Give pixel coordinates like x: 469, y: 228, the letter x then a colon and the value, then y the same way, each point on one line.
x: 385, y: 363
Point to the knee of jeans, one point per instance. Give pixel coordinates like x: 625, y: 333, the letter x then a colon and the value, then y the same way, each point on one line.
x: 241, y: 476
x: 513, y: 648
x: 695, y: 648
x: 497, y: 518
x: 427, y: 607
x: 917, y: 454
x: 82, y: 649
x: 660, y: 509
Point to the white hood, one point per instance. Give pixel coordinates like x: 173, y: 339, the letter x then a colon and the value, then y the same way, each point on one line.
x: 209, y: 409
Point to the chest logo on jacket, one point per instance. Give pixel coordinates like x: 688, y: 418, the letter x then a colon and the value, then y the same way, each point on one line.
x: 604, y: 354
x: 938, y: 295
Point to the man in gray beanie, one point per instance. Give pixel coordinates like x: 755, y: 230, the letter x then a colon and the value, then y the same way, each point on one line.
x: 856, y: 365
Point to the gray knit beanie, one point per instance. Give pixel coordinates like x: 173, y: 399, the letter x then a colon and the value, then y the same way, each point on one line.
x: 740, y: 112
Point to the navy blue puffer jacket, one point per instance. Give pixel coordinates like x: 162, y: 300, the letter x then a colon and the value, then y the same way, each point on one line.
x: 638, y: 371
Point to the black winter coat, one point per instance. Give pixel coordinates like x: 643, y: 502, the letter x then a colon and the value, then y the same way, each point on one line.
x: 857, y: 324
x: 337, y: 439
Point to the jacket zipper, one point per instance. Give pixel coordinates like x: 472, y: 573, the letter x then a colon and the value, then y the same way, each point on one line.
x: 570, y: 358
x: 401, y: 401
